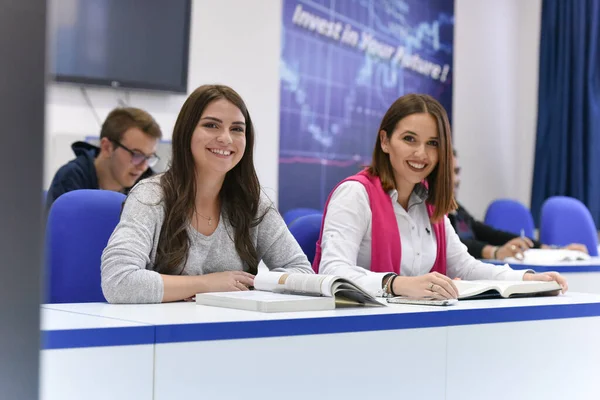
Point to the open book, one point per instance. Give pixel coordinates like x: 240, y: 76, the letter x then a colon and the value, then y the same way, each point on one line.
x: 548, y: 257
x: 280, y: 291
x: 495, y: 289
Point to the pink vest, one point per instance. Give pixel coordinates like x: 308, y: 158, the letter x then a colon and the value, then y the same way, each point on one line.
x: 386, y: 250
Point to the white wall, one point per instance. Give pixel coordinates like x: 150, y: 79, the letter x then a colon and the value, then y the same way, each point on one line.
x: 496, y: 50
x: 529, y: 27
x: 238, y: 43
x: 233, y: 42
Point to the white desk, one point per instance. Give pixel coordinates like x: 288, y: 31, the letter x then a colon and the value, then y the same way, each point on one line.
x: 486, y: 347
x: 91, y: 357
x: 534, y: 354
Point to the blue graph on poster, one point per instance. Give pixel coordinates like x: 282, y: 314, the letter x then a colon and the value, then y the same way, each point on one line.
x: 343, y: 63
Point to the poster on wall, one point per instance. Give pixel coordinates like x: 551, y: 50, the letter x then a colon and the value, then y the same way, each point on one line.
x: 343, y: 63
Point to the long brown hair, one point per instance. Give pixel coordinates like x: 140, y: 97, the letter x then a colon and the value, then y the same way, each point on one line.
x: 239, y: 195
x: 441, y: 188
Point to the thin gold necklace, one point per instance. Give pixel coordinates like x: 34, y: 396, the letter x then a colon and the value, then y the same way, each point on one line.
x: 209, y: 219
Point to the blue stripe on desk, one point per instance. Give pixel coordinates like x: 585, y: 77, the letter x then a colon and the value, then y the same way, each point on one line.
x: 161, y: 334
x: 563, y: 269
x: 295, y: 327
x: 520, y: 314
x: 97, y: 337
x: 319, y: 326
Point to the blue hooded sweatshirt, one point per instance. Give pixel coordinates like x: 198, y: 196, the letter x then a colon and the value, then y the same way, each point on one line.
x: 79, y: 173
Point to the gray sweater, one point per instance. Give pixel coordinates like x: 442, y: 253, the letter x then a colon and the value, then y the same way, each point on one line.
x: 127, y: 260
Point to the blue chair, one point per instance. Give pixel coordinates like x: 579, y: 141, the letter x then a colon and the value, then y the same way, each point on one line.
x: 510, y: 216
x: 295, y: 213
x: 306, y: 230
x: 565, y: 220
x: 79, y: 226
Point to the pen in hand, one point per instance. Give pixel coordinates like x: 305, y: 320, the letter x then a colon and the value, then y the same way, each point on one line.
x: 520, y: 256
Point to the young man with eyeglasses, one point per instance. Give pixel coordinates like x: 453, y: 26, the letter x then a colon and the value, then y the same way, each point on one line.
x: 128, y: 141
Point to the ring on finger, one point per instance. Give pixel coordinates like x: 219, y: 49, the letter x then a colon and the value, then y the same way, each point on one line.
x: 513, y: 247
x: 431, y: 286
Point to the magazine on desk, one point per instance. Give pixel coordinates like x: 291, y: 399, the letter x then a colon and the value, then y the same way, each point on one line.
x: 280, y: 291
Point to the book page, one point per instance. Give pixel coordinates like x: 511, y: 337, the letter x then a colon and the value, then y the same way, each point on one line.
x: 343, y: 288
x: 471, y: 288
x: 268, y: 281
x: 509, y: 288
x: 352, y: 296
x: 283, y: 282
x: 308, y: 283
x: 504, y: 288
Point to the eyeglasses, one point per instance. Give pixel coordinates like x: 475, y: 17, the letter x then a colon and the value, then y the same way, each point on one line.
x: 137, y: 157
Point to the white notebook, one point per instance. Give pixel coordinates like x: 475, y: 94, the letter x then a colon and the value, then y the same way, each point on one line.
x: 256, y: 300
x: 496, y: 289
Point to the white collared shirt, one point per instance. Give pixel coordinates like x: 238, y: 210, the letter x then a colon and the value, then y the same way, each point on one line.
x: 346, y: 241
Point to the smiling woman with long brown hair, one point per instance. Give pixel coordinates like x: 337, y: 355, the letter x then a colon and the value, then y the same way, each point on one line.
x: 204, y: 224
x: 386, y: 228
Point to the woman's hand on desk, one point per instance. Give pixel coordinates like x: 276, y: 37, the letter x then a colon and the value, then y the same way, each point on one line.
x: 228, y: 281
x: 572, y: 246
x: 181, y: 287
x: 514, y: 248
x: 547, y: 276
x: 577, y: 247
x: 433, y: 285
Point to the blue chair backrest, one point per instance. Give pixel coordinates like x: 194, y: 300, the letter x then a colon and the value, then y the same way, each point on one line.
x: 565, y: 220
x: 77, y: 231
x: 510, y: 216
x: 295, y: 213
x: 306, y: 230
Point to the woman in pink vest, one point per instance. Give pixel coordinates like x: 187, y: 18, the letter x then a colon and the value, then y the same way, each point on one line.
x: 386, y: 228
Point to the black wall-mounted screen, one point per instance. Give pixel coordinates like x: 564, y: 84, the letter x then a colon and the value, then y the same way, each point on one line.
x: 140, y: 44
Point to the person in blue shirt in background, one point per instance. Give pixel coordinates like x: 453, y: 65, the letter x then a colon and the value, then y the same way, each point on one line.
x: 127, y: 151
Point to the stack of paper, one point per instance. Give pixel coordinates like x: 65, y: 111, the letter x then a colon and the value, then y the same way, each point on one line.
x: 548, y: 257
